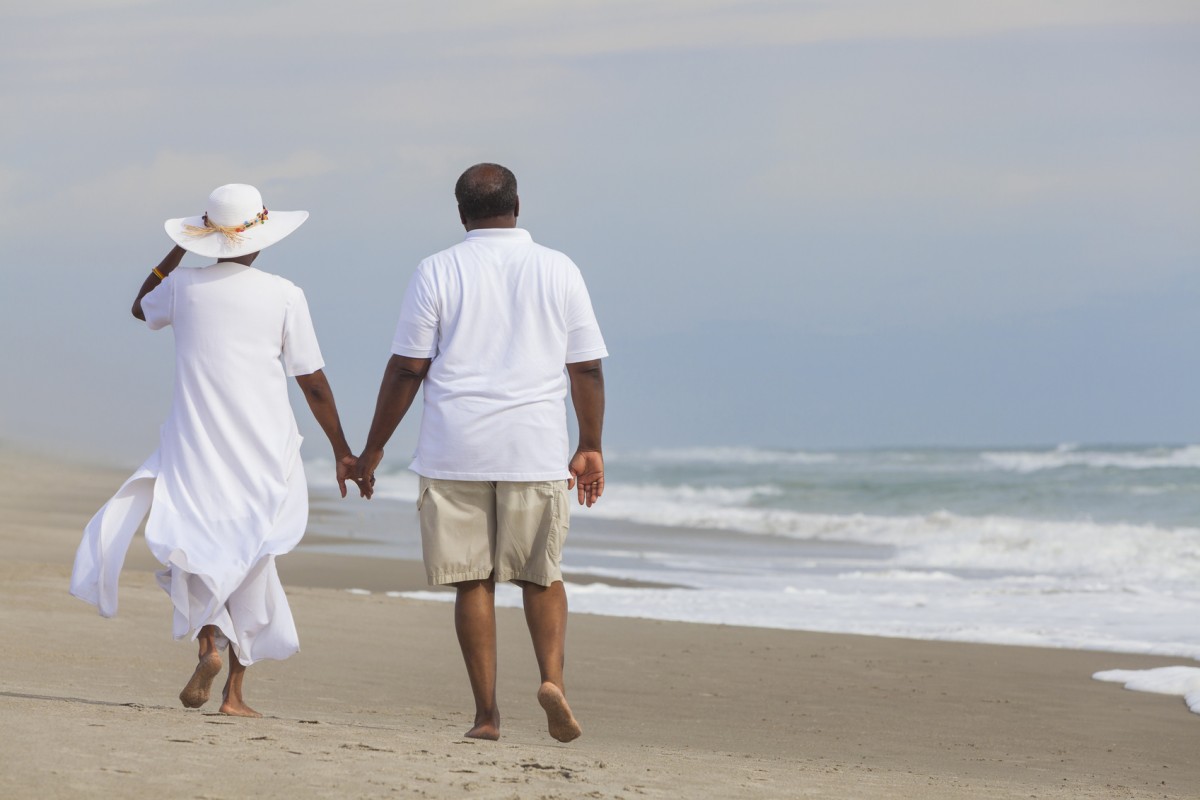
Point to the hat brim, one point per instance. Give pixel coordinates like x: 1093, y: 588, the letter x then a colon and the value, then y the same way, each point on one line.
x: 278, y: 226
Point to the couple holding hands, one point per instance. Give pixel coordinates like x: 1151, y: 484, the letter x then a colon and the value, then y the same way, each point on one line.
x: 497, y: 330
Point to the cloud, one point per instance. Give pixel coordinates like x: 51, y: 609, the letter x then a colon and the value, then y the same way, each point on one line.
x: 632, y: 25
x: 58, y: 8
x: 130, y: 193
x: 539, y: 28
x: 874, y: 166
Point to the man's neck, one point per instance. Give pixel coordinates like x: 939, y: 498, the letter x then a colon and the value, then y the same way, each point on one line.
x: 506, y: 221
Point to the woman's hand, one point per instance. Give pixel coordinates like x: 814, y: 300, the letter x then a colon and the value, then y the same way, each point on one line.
x: 165, y: 267
x: 345, y: 469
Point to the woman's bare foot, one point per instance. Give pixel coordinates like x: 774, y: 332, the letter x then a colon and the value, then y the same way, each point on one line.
x: 231, y: 698
x: 561, y: 722
x: 236, y: 707
x: 195, y: 694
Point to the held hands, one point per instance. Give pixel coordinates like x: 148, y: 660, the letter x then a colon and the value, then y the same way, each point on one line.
x: 362, y: 472
x: 348, y: 469
x: 587, y: 471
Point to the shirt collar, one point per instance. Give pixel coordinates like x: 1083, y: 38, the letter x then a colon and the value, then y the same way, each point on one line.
x: 499, y: 235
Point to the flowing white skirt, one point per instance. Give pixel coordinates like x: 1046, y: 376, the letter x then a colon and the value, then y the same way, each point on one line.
x: 241, y: 594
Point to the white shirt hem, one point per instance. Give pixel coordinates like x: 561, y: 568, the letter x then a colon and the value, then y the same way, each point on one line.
x: 587, y: 355
x: 408, y: 352
x: 448, y: 475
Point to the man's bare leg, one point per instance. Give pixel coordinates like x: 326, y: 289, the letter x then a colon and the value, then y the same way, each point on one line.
x: 546, y: 615
x: 195, y: 694
x: 475, y: 623
x: 232, y: 702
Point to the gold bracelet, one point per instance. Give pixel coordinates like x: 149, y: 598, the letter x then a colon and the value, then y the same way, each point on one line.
x: 158, y: 274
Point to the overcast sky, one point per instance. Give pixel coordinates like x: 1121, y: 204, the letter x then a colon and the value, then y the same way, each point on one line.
x: 803, y: 224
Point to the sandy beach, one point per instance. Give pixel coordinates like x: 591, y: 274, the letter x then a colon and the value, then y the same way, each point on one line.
x: 376, y: 702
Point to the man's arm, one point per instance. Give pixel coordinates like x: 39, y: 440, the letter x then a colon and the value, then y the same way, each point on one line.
x: 165, y: 267
x: 401, y: 380
x: 320, y: 401
x: 587, y: 395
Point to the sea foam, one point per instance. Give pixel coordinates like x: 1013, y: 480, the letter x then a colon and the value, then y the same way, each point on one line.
x: 1181, y: 681
x: 1069, y: 546
x: 1073, y: 456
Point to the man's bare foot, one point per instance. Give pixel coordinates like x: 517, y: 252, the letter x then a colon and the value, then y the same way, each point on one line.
x: 561, y: 722
x: 237, y: 708
x: 484, y: 730
x: 195, y: 694
x: 487, y: 728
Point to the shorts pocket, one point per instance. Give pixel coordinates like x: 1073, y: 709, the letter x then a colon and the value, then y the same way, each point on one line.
x: 559, y: 511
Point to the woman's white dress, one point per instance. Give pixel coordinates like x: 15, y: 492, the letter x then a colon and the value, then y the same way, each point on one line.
x: 225, y: 490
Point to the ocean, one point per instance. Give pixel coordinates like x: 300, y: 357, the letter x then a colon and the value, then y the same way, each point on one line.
x: 1067, y: 546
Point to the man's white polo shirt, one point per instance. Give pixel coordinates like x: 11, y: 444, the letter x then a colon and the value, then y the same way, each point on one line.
x: 500, y: 316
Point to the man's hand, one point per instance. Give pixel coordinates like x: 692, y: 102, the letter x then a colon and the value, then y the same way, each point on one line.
x: 363, y: 472
x: 587, y: 472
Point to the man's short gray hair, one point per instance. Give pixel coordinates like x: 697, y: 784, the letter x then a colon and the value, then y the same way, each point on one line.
x: 486, y: 190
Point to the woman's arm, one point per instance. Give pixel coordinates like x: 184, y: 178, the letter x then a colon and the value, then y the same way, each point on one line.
x: 320, y: 401
x: 164, y: 268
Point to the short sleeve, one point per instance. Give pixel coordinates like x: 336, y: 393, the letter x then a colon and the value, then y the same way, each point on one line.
x: 584, y: 341
x: 158, y: 305
x: 301, y: 353
x: 417, y: 331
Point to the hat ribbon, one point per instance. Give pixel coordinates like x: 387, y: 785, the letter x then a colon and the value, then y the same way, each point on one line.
x: 231, y: 232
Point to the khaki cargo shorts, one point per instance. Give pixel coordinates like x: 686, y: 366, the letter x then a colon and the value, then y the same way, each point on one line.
x: 508, y: 530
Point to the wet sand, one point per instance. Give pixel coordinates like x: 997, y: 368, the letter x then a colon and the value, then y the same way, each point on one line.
x: 376, y: 702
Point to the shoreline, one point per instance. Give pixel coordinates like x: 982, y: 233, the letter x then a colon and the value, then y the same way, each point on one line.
x: 358, y: 558
x: 376, y: 701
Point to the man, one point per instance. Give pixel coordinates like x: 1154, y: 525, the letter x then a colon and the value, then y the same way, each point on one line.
x: 487, y: 327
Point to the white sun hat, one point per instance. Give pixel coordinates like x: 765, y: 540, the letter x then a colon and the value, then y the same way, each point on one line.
x: 235, y: 222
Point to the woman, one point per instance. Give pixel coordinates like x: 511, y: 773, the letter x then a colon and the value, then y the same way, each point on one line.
x: 225, y: 490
